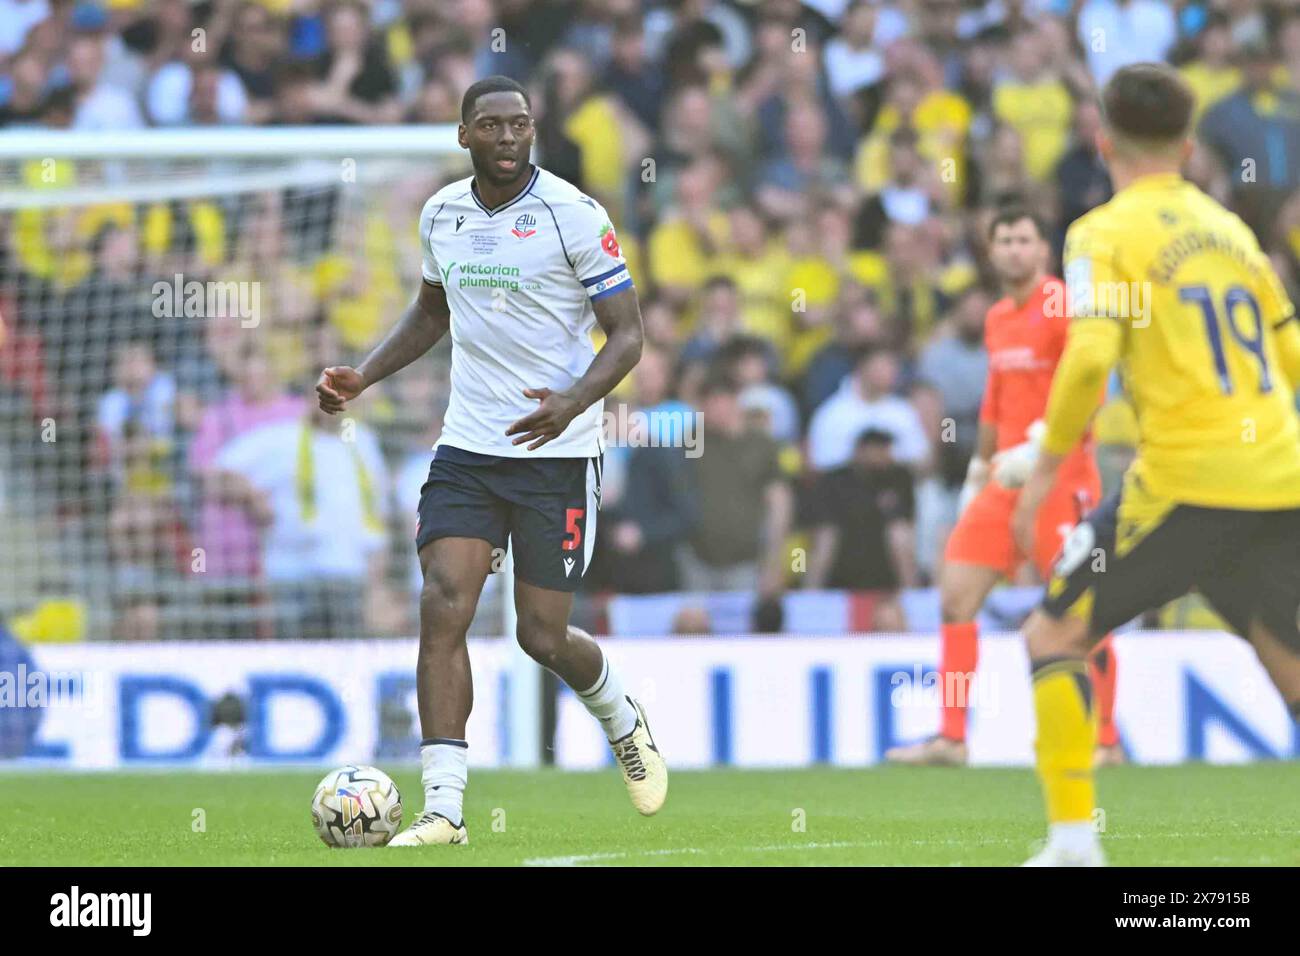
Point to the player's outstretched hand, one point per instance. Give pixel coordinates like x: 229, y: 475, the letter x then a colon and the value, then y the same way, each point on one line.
x: 551, y: 418
x: 338, y: 385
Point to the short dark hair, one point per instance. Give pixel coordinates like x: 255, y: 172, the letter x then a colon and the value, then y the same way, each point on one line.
x: 1010, y: 213
x: 490, y: 84
x: 1148, y: 102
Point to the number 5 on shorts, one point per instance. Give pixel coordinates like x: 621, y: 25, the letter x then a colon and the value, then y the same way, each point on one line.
x: 571, y: 518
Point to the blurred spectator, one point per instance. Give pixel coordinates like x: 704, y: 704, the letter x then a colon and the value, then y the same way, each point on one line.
x: 698, y: 130
x: 1003, y: 174
x: 1255, y: 133
x: 912, y: 290
x: 788, y: 80
x: 97, y: 105
x: 948, y: 392
x: 718, y: 322
x: 585, y: 134
x: 745, y: 504
x: 818, y: 275
x: 253, y: 52
x: 196, y: 91
x: 852, y: 60
x: 915, y: 98
x: 690, y: 235
x: 228, y: 534
x: 641, y: 531
x: 136, y: 419
x: 857, y: 329
x: 1034, y: 102
x: 861, y: 516
x: 355, y: 84
x: 632, y: 75
x: 25, y: 99
x: 16, y: 18
x: 315, y: 485
x: 803, y: 171
x: 749, y: 362
x: 1115, y: 33
x: 907, y: 197
x: 755, y: 260
x: 1081, y: 178
x: 953, y: 366
x: 688, y: 23
x: 597, y: 25
x: 1212, y: 73
x: 865, y: 400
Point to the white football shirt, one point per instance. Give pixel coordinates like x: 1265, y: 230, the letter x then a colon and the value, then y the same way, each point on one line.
x: 520, y: 280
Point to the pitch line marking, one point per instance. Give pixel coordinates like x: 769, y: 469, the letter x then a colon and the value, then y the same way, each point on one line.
x: 581, y: 859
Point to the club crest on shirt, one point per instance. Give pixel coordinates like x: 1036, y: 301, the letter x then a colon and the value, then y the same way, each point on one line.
x: 525, y: 226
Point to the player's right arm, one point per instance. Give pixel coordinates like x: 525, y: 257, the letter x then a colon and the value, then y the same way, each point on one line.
x: 425, y: 321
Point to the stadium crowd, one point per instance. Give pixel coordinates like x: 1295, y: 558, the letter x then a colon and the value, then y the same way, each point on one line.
x: 801, y: 190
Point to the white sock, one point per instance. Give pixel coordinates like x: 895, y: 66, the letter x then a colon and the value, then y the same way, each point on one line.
x: 606, y: 702
x: 445, y: 774
x: 1076, y: 837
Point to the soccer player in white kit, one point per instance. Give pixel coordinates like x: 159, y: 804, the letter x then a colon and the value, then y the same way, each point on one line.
x: 519, y: 265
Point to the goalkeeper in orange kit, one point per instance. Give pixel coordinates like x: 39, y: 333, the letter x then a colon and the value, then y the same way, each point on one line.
x: 1025, y: 334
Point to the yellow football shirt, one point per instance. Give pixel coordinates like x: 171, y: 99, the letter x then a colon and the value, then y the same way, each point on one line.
x: 1040, y: 113
x: 1175, y: 288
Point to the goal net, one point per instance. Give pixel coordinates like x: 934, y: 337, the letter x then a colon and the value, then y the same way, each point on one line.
x: 166, y: 295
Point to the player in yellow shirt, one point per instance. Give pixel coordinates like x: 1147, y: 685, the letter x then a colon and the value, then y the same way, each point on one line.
x: 1174, y: 288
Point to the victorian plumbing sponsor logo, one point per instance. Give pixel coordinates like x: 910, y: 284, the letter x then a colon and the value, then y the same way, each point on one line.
x: 487, y: 275
x: 75, y: 908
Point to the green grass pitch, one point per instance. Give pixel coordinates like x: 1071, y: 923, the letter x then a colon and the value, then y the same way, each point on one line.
x: 1195, y: 815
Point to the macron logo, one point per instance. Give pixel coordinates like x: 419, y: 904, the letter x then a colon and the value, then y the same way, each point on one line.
x: 568, y: 566
x: 103, y: 909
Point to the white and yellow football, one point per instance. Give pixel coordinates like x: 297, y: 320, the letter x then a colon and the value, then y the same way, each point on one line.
x: 356, y: 807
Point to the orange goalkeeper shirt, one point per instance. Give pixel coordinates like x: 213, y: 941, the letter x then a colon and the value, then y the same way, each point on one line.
x: 1024, y: 343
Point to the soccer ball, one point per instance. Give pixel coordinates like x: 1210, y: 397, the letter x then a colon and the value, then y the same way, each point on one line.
x: 356, y: 806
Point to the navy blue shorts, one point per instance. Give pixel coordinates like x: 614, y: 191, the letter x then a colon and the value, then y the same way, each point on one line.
x: 545, y: 507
